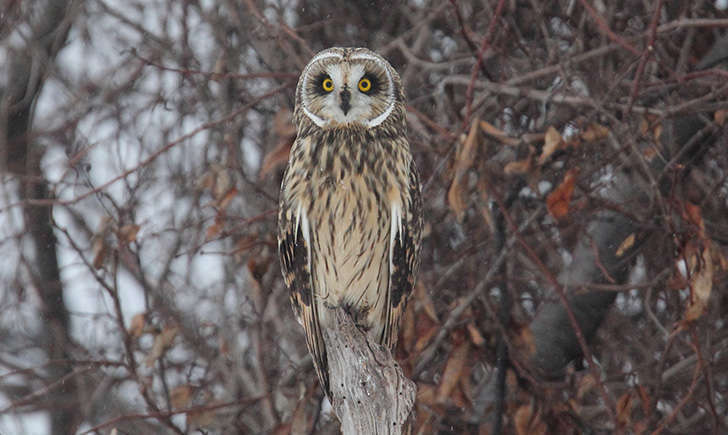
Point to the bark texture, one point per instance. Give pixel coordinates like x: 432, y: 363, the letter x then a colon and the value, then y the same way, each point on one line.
x: 371, y: 395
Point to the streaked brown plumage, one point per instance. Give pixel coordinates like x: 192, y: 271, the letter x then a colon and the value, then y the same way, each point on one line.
x: 350, y: 217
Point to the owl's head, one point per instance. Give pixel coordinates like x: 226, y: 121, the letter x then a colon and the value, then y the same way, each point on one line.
x: 345, y: 86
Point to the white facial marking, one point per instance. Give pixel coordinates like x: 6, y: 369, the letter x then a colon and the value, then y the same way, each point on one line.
x: 390, y: 99
x: 324, y: 55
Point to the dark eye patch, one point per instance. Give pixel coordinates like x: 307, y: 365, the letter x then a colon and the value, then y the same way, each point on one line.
x: 376, y: 83
x: 318, y: 83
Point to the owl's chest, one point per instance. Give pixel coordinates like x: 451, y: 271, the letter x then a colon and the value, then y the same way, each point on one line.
x: 350, y: 184
x: 354, y: 182
x: 348, y: 205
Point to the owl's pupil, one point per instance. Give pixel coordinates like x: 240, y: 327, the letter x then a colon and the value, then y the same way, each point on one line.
x: 328, y: 85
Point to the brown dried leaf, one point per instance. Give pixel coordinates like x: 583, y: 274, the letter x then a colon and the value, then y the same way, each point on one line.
x: 224, y: 346
x: 408, y: 328
x: 552, y: 142
x: 162, y: 342
x: 644, y: 398
x: 557, y: 202
x: 463, y: 161
x: 453, y: 370
x: 426, y: 394
x: 719, y: 259
x: 475, y: 336
x: 425, y: 301
x: 181, y: 396
x: 701, y: 283
x: 649, y: 126
x: 243, y: 244
x: 206, y: 180
x: 625, y: 245
x: 257, y: 267
x: 138, y: 322
x: 527, y: 423
x: 594, y: 132
x: 624, y: 409
x: 586, y: 384
x: 100, y: 250
x: 719, y: 116
x: 285, y: 130
x: 222, y: 181
x: 644, y: 125
x: 223, y: 202
x: 657, y: 132
x: 283, y: 124
x: 214, y: 230
x: 650, y: 153
x: 300, y: 421
x: 694, y: 215
x: 425, y: 338
x: 524, y: 340
x: 100, y: 247
x: 458, y: 396
x: 518, y: 167
x: 284, y: 429
x: 426, y: 407
x: 200, y: 419
x: 639, y: 428
x: 128, y: 233
x: 276, y: 158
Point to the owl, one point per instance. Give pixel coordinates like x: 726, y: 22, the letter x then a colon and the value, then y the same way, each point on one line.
x: 350, y: 209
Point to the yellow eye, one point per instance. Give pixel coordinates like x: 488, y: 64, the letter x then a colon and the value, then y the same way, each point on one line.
x: 365, y: 85
x: 327, y: 85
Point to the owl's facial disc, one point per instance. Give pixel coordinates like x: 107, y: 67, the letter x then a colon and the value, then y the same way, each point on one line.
x: 343, y: 91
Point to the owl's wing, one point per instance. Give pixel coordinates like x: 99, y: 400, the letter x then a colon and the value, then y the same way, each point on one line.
x: 294, y: 250
x: 404, y: 255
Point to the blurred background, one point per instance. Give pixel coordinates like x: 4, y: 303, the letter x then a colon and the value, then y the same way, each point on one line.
x: 574, y: 165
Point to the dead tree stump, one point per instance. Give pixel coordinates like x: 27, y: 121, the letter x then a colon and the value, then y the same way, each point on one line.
x: 370, y: 394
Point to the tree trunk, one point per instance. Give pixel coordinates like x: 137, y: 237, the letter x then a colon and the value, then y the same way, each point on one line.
x: 27, y: 71
x: 370, y: 394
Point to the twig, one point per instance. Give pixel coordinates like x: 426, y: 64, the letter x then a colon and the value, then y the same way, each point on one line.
x: 561, y: 293
x: 167, y: 414
x: 546, y: 96
x: 454, y: 316
x: 606, y: 30
x: 684, y: 400
x: 646, y: 54
x: 154, y: 155
x: 474, y: 71
x: 217, y: 76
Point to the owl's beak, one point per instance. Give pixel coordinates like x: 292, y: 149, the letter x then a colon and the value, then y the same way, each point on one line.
x: 345, y: 98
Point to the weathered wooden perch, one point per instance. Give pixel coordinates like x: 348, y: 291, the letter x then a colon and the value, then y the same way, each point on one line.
x: 370, y: 394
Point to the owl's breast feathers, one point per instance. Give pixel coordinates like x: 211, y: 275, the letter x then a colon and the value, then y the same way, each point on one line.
x: 349, y: 232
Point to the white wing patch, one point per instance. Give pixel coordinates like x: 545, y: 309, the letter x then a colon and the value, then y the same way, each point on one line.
x: 396, y: 228
x: 302, y: 219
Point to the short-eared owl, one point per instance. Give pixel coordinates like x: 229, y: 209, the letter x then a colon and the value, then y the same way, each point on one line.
x: 350, y: 218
